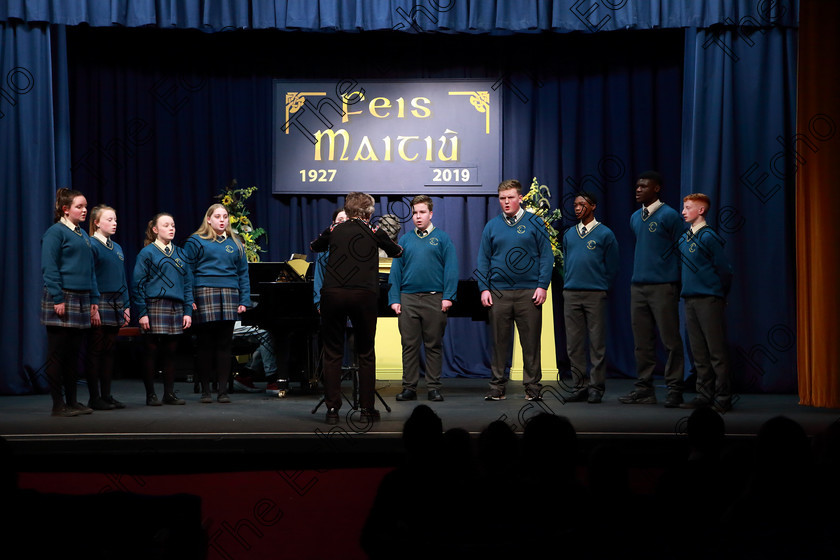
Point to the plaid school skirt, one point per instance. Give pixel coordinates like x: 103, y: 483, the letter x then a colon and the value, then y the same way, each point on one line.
x: 76, y: 310
x: 111, y: 310
x: 166, y: 316
x: 215, y: 304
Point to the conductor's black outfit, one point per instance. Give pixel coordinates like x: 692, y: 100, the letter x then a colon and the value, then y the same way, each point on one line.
x: 351, y: 290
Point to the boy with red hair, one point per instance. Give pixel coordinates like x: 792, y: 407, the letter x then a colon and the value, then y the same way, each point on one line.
x: 706, y: 279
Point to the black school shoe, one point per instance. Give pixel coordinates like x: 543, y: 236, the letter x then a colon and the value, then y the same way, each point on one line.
x: 111, y: 400
x: 332, y: 416
x: 495, y: 395
x: 100, y: 403
x: 578, y: 395
x: 640, y: 397
x: 673, y: 400
x: 170, y: 398
x: 434, y: 395
x: 370, y: 414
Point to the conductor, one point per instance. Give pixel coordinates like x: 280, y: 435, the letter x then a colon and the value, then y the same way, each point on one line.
x: 351, y: 289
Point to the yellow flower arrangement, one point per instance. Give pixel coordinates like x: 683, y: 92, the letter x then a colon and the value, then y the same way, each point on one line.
x: 538, y: 202
x: 234, y: 200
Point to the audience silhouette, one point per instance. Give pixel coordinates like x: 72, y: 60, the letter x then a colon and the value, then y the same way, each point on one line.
x: 403, y: 521
x: 505, y: 495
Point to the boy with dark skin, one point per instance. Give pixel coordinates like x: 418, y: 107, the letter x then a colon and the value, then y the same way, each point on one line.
x: 655, y: 292
x: 591, y: 265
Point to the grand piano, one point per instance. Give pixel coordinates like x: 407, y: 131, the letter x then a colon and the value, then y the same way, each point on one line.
x: 283, y: 293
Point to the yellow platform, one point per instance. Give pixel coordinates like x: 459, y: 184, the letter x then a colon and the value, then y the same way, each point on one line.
x: 389, y: 348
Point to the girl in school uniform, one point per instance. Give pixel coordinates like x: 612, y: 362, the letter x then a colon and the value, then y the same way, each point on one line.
x: 222, y: 291
x: 114, y: 308
x: 163, y: 295
x: 69, y: 304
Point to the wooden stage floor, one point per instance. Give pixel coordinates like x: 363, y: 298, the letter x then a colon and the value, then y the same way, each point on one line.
x: 257, y: 429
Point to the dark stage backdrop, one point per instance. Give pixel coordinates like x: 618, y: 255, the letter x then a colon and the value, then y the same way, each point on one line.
x: 163, y: 119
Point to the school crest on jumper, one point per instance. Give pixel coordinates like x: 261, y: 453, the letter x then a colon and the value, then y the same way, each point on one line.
x: 652, y: 227
x: 692, y: 248
x: 521, y: 228
x: 591, y: 244
x: 434, y: 241
x: 229, y: 249
x: 120, y: 255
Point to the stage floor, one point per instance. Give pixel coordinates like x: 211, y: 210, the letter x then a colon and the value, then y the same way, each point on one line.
x: 258, y: 427
x: 261, y: 451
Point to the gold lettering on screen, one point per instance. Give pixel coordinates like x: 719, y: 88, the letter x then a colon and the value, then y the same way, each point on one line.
x: 369, y: 150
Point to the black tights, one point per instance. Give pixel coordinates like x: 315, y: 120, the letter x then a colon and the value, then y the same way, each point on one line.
x: 162, y: 346
x: 63, y: 344
x: 101, y: 353
x: 214, y: 354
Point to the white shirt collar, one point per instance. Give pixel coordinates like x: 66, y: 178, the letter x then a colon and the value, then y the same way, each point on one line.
x: 163, y: 247
x: 653, y: 207
x: 101, y: 237
x: 516, y: 217
x: 69, y: 224
x: 589, y: 227
x: 429, y: 230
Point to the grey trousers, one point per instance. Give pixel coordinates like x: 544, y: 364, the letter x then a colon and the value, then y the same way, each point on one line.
x: 656, y: 307
x: 515, y: 307
x: 421, y: 323
x: 585, y: 314
x: 706, y: 325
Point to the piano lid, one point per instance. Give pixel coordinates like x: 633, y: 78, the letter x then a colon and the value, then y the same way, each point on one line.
x: 260, y: 272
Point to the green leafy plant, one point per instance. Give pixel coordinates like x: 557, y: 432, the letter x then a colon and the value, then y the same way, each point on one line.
x: 234, y: 200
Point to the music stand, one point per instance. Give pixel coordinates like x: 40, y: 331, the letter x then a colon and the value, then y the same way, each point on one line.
x: 350, y: 372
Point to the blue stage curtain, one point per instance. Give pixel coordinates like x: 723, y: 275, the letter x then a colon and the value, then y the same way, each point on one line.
x: 471, y: 16
x: 168, y: 135
x: 166, y: 126
x: 34, y: 145
x: 739, y: 147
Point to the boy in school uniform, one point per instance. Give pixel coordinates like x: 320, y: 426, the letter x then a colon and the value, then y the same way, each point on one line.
x: 706, y: 279
x: 515, y: 262
x: 590, y: 252
x: 424, y: 283
x: 655, y: 293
